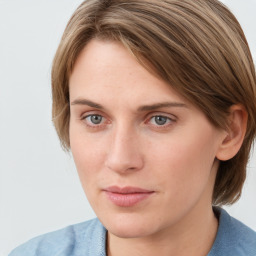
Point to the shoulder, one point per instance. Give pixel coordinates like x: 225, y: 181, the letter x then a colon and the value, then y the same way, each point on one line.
x: 87, y: 238
x: 233, y: 237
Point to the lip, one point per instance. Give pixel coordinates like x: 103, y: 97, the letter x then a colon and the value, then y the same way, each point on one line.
x: 127, y: 196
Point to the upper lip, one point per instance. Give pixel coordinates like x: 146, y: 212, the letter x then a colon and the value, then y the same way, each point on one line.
x: 126, y: 190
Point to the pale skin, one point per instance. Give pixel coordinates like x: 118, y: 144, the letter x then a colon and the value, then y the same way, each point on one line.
x: 130, y: 128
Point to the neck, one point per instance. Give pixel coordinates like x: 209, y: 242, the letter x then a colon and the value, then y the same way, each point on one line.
x: 194, y: 236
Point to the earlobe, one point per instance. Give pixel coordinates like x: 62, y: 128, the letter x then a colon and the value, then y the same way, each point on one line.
x: 234, y: 136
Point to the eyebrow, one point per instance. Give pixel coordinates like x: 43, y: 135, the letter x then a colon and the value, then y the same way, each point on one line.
x: 161, y: 105
x: 86, y: 102
x: 140, y: 109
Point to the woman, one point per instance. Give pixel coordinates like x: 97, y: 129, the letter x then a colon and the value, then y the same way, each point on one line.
x: 156, y: 101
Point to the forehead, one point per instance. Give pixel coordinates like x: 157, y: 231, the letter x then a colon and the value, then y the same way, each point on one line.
x: 107, y: 70
x: 106, y: 58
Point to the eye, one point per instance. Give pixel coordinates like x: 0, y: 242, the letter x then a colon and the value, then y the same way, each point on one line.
x: 93, y: 119
x: 160, y: 120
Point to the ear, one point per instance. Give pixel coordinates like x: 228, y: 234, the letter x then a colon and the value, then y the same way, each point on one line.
x: 232, y: 142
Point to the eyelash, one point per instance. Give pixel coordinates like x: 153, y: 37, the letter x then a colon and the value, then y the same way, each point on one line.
x: 101, y: 125
x: 93, y: 126
x: 168, y: 121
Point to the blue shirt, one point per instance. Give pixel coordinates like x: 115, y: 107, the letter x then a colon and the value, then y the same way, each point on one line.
x: 89, y: 239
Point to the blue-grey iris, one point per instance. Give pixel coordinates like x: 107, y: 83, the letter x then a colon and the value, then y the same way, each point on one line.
x: 160, y: 120
x: 96, y: 119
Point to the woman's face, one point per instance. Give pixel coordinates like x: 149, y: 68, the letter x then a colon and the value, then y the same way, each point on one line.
x: 145, y: 156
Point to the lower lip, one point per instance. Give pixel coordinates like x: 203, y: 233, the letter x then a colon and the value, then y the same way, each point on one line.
x: 127, y: 200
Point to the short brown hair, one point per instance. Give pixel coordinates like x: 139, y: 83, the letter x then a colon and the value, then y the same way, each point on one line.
x: 197, y: 46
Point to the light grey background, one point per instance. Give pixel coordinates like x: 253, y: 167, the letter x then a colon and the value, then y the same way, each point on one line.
x: 39, y: 187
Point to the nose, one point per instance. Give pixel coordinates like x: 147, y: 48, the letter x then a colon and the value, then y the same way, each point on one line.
x: 124, y: 155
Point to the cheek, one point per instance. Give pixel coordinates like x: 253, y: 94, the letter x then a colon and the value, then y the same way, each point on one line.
x: 89, y: 161
x: 88, y: 155
x: 184, y: 164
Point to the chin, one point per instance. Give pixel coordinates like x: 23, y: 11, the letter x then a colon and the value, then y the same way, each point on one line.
x: 125, y: 231
x: 129, y: 225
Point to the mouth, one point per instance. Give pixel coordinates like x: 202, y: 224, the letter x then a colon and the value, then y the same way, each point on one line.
x: 127, y: 196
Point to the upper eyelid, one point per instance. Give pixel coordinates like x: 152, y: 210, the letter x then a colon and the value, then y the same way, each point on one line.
x: 86, y: 116
x: 106, y: 122
x: 146, y: 117
x: 163, y: 114
x: 91, y: 113
x: 168, y: 118
x: 91, y: 125
x: 171, y: 117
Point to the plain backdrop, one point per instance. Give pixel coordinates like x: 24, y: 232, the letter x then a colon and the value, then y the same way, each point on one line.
x: 39, y: 187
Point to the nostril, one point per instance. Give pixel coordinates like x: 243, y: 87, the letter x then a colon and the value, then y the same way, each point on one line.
x: 124, y: 153
x: 124, y: 164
